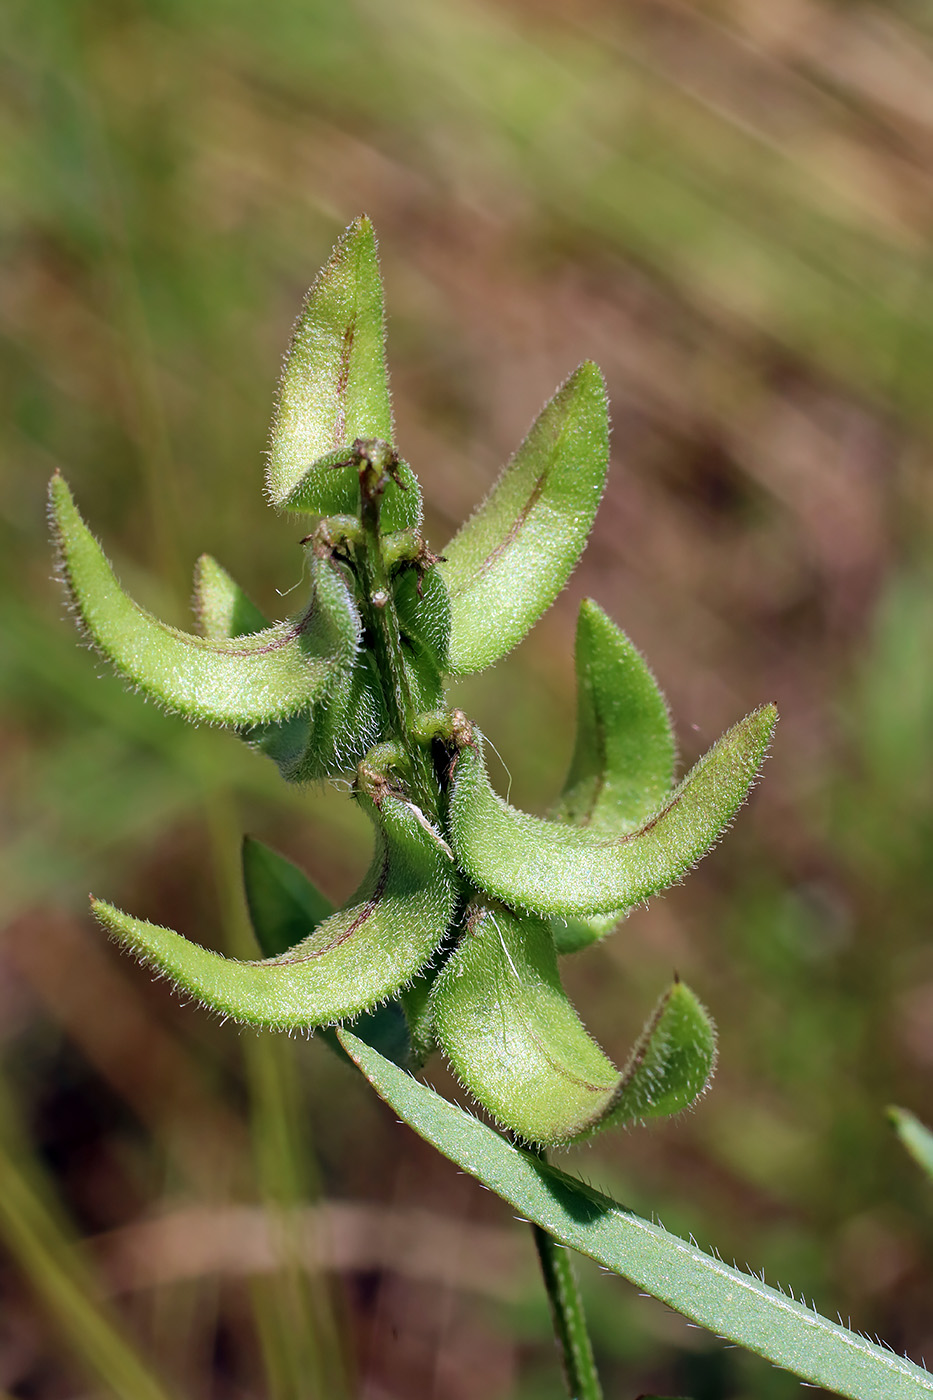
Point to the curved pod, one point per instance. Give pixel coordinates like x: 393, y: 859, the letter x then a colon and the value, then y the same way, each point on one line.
x: 511, y: 1034
x: 351, y: 961
x: 252, y: 679
x: 547, y: 867
x: 508, y: 563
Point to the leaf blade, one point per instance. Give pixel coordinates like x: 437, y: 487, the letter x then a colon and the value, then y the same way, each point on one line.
x: 283, y: 903
x: 915, y: 1136
x: 508, y: 563
x: 729, y: 1303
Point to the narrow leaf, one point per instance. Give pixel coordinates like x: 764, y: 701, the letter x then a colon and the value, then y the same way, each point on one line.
x: 672, y: 1063
x: 221, y: 606
x: 511, y: 1034
x: 237, y: 681
x: 550, y: 868
x: 346, y: 964
x: 508, y: 563
x: 623, y: 760
x: 916, y: 1138
x: 283, y: 903
x: 733, y: 1305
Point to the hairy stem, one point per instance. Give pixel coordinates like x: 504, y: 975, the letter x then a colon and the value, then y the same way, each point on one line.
x: 567, y: 1316
x: 377, y: 606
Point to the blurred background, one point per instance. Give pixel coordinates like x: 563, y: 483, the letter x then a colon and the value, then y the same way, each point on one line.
x: 728, y: 206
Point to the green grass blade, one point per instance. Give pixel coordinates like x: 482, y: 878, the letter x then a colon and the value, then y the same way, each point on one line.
x: 733, y: 1305
x: 916, y: 1138
x: 37, y: 1240
x: 508, y: 563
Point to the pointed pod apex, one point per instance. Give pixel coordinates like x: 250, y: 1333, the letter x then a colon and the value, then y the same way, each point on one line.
x: 671, y: 1064
x: 334, y: 388
x: 553, y: 868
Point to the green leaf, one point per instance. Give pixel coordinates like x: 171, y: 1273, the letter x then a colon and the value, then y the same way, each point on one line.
x: 550, y: 868
x: 283, y: 903
x: 733, y: 1305
x: 346, y: 964
x: 334, y: 389
x: 672, y: 1063
x: 220, y: 604
x: 916, y: 1138
x: 508, y: 563
x: 511, y: 1034
x: 245, y: 680
x: 623, y: 761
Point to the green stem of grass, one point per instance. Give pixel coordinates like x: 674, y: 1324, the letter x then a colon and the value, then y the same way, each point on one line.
x: 44, y: 1249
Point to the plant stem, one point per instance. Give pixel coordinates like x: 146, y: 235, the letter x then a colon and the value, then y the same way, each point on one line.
x: 573, y: 1339
x: 378, y: 610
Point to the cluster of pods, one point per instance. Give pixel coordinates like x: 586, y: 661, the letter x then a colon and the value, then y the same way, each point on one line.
x: 457, y: 928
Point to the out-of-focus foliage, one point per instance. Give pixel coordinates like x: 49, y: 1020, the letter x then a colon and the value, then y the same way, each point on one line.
x: 729, y: 209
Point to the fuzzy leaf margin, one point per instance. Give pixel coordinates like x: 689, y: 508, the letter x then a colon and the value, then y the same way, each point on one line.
x: 738, y: 1307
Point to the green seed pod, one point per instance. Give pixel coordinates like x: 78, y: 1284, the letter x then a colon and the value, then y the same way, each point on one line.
x: 235, y: 681
x: 221, y: 606
x: 350, y: 961
x: 508, y: 563
x: 505, y: 1023
x: 622, y: 768
x: 334, y: 389
x: 547, y: 867
x: 423, y: 610
x: 671, y: 1064
x: 337, y: 733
